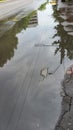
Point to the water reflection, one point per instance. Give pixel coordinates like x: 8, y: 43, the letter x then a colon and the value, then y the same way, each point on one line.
x: 43, y: 6
x: 8, y: 39
x: 35, y: 54
x: 33, y: 22
x: 41, y: 97
x: 8, y: 42
x: 9, y: 29
x: 65, y: 42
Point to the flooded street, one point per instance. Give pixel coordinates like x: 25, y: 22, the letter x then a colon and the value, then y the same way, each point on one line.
x: 35, y: 51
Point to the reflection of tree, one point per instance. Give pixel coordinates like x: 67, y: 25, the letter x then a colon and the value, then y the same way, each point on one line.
x: 65, y: 42
x: 43, y: 6
x: 8, y: 42
x: 23, y: 23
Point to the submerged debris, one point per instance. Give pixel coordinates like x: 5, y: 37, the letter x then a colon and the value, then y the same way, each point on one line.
x: 44, y: 73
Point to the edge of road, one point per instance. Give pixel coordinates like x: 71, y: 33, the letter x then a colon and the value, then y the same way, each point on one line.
x: 65, y: 121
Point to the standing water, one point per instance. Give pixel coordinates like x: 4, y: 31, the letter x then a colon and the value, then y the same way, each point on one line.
x: 34, y: 53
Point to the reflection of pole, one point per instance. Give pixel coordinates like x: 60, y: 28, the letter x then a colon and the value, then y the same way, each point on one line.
x: 50, y: 73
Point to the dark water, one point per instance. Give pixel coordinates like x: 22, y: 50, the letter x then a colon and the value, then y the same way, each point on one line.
x: 35, y: 52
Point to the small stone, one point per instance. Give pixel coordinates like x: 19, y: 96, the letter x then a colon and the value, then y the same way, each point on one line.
x: 44, y: 72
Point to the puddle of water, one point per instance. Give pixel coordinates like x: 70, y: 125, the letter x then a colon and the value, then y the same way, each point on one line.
x: 23, y: 64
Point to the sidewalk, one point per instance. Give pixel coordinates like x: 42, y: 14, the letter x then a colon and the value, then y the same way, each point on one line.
x: 65, y: 121
x: 66, y: 118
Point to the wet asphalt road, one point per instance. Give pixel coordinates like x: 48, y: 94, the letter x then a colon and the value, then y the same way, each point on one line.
x: 31, y: 72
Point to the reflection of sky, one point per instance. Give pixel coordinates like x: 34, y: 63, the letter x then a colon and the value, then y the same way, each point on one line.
x: 43, y: 31
x: 48, y: 17
x: 41, y: 34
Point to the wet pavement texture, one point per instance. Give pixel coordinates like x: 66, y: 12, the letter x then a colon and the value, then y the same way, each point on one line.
x: 35, y: 51
x: 65, y: 121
